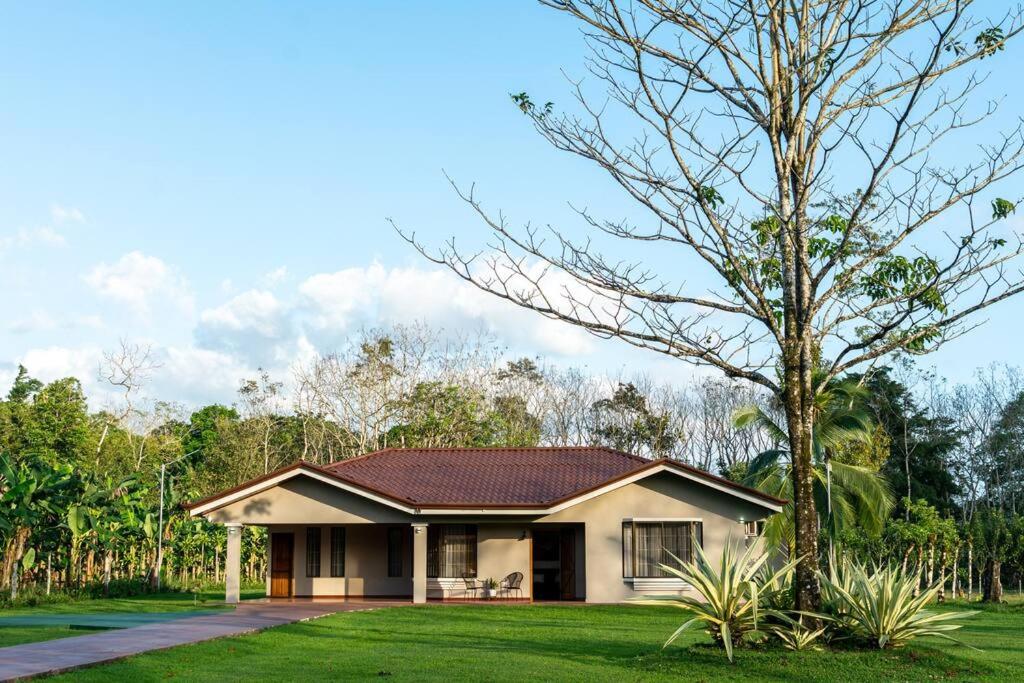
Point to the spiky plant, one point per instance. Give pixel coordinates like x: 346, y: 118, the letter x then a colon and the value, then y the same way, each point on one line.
x: 726, y: 593
x: 880, y: 606
x: 794, y: 634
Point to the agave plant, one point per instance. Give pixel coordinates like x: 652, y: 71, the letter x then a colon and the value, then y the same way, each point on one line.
x: 726, y: 593
x: 794, y: 634
x: 880, y: 605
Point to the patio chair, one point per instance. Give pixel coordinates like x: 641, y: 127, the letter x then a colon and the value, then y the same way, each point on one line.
x: 513, y: 584
x: 473, y: 585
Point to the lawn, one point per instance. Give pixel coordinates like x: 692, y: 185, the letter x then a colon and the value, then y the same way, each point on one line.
x: 516, y: 643
x: 158, y: 602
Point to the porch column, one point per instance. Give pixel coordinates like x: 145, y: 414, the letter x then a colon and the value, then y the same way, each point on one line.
x: 233, y: 563
x: 419, y: 563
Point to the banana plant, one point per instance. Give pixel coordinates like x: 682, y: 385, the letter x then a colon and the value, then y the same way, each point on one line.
x: 31, y: 496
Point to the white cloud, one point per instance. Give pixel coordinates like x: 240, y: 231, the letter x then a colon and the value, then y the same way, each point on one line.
x: 138, y: 280
x: 66, y: 214
x: 276, y: 276
x: 377, y: 295
x: 254, y: 324
x: 55, y: 362
x: 28, y: 237
x: 41, y: 321
x: 196, y: 376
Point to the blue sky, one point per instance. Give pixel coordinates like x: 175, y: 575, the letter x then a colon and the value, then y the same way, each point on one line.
x: 215, y: 178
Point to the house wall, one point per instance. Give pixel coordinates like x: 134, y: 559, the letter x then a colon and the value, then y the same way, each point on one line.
x: 366, y: 562
x: 299, y: 500
x: 501, y: 550
x: 661, y: 496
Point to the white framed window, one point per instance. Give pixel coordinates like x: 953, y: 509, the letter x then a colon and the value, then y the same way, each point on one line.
x: 753, y: 529
x: 647, y: 544
x: 451, y: 550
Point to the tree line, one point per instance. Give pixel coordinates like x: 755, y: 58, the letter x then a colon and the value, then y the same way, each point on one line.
x: 80, y: 487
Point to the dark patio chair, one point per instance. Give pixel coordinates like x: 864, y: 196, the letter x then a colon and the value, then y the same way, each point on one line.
x: 473, y: 585
x: 513, y: 583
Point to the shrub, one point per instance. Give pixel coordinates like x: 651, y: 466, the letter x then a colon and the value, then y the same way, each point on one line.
x: 879, y: 606
x: 729, y: 591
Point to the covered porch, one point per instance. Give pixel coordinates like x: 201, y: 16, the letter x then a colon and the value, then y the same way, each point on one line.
x: 443, y: 560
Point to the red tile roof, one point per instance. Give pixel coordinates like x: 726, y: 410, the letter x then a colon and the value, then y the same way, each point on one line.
x: 486, y: 477
x: 489, y: 477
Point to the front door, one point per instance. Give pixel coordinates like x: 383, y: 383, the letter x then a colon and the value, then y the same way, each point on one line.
x: 546, y: 574
x: 567, y: 563
x: 282, y: 548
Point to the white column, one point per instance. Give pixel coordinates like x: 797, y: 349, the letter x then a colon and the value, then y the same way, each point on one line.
x: 419, y: 563
x: 233, y: 563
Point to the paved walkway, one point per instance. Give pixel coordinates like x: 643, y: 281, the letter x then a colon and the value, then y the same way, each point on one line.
x: 54, y: 656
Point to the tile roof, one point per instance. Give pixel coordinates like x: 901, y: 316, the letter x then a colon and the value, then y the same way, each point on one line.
x: 488, y: 477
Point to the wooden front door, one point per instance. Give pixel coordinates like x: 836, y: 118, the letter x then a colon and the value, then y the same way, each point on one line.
x: 567, y: 563
x: 282, y: 548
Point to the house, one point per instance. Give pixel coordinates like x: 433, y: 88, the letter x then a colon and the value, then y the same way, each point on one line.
x: 578, y: 523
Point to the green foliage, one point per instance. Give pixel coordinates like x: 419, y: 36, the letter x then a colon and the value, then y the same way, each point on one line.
x: 626, y: 422
x: 898, y: 275
x: 882, y: 606
x: 1001, y: 208
x: 441, y: 415
x: 915, y: 437
x: 711, y: 196
x: 990, y: 41
x: 526, y: 105
x: 727, y: 593
x: 859, y: 496
x: 794, y: 635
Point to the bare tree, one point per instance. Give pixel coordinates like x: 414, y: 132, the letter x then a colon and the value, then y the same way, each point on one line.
x: 127, y: 369
x: 712, y: 440
x: 260, y: 399
x: 801, y: 152
x: 349, y: 400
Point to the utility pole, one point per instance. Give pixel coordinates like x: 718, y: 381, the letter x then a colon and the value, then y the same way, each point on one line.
x: 160, y: 528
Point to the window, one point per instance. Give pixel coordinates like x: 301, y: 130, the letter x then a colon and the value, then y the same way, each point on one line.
x: 312, y: 551
x: 394, y: 551
x: 753, y: 528
x: 337, y: 551
x: 647, y: 545
x: 451, y: 550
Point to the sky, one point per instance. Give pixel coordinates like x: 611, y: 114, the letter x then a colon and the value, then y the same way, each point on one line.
x: 215, y: 179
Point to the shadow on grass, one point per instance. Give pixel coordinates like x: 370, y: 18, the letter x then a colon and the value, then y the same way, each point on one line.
x: 520, y: 643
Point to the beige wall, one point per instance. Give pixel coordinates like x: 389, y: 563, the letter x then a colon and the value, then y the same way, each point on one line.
x: 302, y: 500
x: 661, y: 496
x: 366, y: 558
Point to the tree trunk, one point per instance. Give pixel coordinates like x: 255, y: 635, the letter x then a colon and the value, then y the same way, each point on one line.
x: 970, y: 571
x: 805, y: 581
x: 918, y: 570
x: 942, y: 578
x: 13, y: 553
x: 931, y: 563
x: 956, y: 573
x: 107, y: 562
x: 992, y: 583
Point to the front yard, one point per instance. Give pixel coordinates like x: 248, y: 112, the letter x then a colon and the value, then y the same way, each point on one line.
x: 157, y: 602
x: 517, y: 643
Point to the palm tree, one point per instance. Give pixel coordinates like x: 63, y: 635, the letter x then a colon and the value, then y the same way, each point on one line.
x: 851, y: 495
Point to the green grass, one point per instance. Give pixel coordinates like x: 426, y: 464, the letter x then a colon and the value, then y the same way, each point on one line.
x: 517, y: 643
x: 157, y: 602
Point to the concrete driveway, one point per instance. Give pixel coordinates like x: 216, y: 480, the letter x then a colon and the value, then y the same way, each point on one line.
x: 54, y: 656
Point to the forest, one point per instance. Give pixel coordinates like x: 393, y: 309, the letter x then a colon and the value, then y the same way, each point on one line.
x: 915, y: 470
